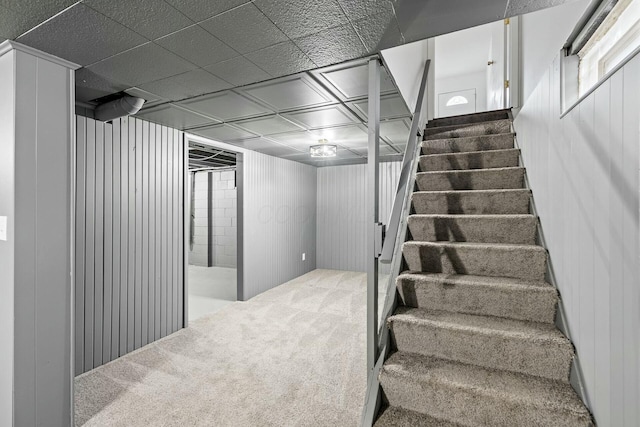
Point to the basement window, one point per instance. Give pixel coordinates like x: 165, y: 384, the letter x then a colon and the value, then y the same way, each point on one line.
x: 607, y: 38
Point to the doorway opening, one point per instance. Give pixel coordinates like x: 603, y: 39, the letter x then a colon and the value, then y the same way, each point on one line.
x: 472, y: 70
x: 213, y: 229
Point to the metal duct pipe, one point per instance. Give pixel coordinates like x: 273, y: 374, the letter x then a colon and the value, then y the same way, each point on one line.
x: 125, y: 106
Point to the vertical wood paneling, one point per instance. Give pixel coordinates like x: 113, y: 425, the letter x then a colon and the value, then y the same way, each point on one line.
x: 108, y: 242
x: 144, y: 189
x: 117, y: 197
x: 279, y: 221
x: 98, y: 300
x: 341, y: 225
x: 81, y: 154
x: 89, y: 313
x: 130, y: 236
x: 584, y: 171
x: 131, y: 244
x: 124, y: 233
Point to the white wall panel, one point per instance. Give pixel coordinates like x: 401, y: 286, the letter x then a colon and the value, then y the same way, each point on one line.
x: 584, y: 173
x: 279, y: 221
x: 129, y: 237
x: 341, y: 225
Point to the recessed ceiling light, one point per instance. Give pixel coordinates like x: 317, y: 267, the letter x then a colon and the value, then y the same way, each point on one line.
x: 323, y: 149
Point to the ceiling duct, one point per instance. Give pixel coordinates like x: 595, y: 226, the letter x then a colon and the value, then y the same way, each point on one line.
x: 121, y: 107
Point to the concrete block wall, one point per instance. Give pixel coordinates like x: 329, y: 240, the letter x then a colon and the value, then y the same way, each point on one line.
x: 198, y: 254
x: 225, y: 211
x: 221, y: 187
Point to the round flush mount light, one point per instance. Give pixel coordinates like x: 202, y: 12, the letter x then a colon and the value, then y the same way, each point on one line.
x: 323, y: 149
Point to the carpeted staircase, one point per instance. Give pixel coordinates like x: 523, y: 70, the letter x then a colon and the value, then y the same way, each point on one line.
x: 474, y: 332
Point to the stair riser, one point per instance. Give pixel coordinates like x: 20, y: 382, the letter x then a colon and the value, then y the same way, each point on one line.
x: 543, y: 359
x: 484, y: 179
x: 519, y: 263
x: 485, y: 203
x: 515, y: 303
x: 463, y: 131
x: 478, y: 229
x: 469, y: 407
x: 465, y: 145
x: 468, y: 119
x: 477, y: 160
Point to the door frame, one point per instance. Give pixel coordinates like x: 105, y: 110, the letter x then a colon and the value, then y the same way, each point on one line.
x: 240, y: 216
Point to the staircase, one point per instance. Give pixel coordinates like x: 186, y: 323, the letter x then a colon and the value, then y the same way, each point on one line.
x: 474, y: 331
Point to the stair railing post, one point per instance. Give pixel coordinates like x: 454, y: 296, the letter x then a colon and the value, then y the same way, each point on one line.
x: 373, y: 226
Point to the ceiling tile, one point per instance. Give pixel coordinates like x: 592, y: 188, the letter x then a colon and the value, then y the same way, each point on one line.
x: 90, y: 86
x: 276, y: 150
x: 239, y: 71
x: 300, y: 140
x: 281, y: 59
x: 223, y: 132
x: 353, y: 81
x: 173, y: 116
x: 379, y: 31
x: 12, y: 24
x: 151, y: 18
x: 362, y: 8
x: 197, y: 46
x: 391, y: 106
x: 395, y: 131
x: 82, y: 35
x: 354, y: 136
x: 186, y: 85
x: 332, y: 45
x: 143, y: 64
x: 245, y: 29
x: 19, y: 16
x: 298, y: 18
x: 268, y: 125
x: 333, y: 115
x: 292, y: 92
x: 199, y: 10
x: 253, y: 143
x: 225, y: 106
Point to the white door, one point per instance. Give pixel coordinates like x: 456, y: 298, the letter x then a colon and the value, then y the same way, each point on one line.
x: 457, y: 103
x: 496, y: 68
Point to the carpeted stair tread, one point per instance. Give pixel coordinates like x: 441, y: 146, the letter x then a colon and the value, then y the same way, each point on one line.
x: 398, y: 417
x: 491, y: 296
x: 481, y: 202
x: 471, y: 179
x: 469, y: 118
x: 475, y: 396
x: 470, y: 160
x: 513, y: 229
x: 470, y: 129
x: 531, y: 348
x: 448, y: 145
x: 482, y: 259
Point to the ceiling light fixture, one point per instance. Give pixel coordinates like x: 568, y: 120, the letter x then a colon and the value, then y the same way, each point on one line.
x: 323, y: 149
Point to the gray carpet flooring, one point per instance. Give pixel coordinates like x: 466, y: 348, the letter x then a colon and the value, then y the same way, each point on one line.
x: 292, y: 356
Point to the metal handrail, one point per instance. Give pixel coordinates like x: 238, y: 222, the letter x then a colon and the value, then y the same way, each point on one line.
x: 392, y: 253
x: 407, y: 159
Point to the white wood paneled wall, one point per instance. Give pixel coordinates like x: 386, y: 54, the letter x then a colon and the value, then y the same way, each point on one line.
x: 584, y: 173
x: 279, y: 221
x: 342, y: 213
x: 129, y: 237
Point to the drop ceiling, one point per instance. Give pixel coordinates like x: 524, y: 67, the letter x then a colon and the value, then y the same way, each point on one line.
x: 201, y: 63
